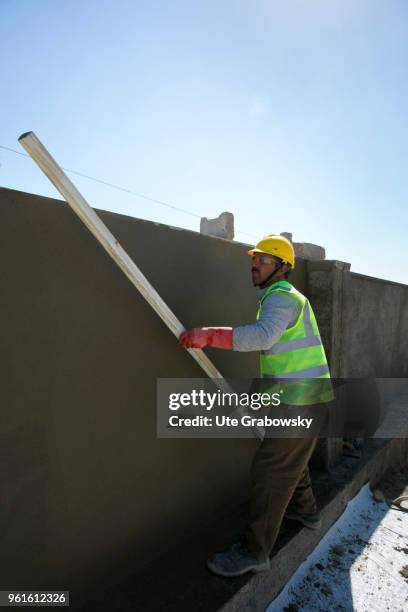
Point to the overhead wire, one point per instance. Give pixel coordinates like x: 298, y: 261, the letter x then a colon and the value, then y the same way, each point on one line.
x: 125, y: 190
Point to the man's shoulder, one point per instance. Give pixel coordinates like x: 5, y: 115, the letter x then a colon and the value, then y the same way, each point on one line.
x: 288, y: 291
x: 282, y: 299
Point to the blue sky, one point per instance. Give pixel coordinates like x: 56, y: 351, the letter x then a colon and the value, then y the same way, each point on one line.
x: 291, y: 114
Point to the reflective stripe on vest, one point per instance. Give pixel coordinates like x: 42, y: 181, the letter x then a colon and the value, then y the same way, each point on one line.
x: 315, y: 372
x: 290, y: 345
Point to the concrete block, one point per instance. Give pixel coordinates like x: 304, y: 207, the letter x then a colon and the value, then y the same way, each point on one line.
x: 287, y: 235
x: 309, y: 251
x: 306, y: 250
x: 222, y: 226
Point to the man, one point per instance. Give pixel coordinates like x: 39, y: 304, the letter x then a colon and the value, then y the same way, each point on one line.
x: 287, y: 335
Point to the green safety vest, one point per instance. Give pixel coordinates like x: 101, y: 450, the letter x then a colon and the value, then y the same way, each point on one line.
x: 298, y: 355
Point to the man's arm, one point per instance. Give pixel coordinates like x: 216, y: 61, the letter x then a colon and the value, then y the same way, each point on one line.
x: 279, y: 311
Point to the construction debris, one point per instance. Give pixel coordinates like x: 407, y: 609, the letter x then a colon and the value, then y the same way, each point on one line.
x: 222, y: 226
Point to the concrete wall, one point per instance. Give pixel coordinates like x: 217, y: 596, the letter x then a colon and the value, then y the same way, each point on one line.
x: 86, y: 487
x: 364, y: 323
x: 375, y: 328
x: 363, y: 320
x: 374, y: 332
x: 325, y: 286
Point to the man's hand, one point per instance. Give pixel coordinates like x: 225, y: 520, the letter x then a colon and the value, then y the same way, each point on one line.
x: 195, y: 338
x: 199, y: 337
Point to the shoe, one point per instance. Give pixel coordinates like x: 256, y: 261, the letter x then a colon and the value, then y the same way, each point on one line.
x: 236, y: 561
x: 311, y: 521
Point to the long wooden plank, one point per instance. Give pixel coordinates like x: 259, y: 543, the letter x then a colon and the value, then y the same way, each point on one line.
x: 69, y: 192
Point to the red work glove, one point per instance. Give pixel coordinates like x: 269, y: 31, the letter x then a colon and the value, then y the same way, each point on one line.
x: 218, y: 337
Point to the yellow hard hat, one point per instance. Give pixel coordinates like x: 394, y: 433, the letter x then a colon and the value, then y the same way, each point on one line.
x: 275, y: 245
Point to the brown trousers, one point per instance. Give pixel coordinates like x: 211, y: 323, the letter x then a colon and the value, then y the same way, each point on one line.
x: 279, y: 479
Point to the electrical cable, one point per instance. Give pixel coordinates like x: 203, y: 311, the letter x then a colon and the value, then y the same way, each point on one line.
x: 130, y: 191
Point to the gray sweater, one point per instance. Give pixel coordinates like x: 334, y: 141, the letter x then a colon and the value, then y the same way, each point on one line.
x: 279, y: 311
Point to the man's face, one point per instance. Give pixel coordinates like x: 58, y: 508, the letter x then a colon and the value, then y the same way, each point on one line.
x: 261, y: 267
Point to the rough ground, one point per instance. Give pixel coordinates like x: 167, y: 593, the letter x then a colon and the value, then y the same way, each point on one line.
x: 362, y: 562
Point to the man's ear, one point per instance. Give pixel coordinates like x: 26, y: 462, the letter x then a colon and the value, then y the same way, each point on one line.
x: 286, y: 268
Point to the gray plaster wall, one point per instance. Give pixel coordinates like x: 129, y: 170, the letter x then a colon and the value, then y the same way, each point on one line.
x: 374, y: 332
x: 363, y: 320
x: 364, y: 325
x: 374, y: 327
x: 86, y: 487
